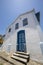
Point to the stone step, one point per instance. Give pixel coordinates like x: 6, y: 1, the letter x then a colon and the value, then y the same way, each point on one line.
x: 22, y: 56
x: 22, y: 53
x: 19, y: 59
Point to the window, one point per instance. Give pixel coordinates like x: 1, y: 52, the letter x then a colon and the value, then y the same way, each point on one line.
x: 25, y: 22
x: 17, y: 26
x: 9, y: 30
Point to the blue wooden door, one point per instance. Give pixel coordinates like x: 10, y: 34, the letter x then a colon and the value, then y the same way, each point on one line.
x: 21, y: 42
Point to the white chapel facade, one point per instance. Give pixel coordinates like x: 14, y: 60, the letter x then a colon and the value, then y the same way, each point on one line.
x: 24, y: 35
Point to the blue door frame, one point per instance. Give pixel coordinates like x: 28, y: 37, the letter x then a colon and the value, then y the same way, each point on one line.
x: 21, y: 42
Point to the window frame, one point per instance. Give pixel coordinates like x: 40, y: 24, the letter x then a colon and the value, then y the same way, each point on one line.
x: 9, y: 30
x: 25, y: 21
x: 16, y: 26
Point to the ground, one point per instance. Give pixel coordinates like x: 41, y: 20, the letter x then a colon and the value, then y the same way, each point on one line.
x: 7, y: 56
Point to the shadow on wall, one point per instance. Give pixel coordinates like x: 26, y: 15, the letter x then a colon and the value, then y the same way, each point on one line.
x: 41, y: 46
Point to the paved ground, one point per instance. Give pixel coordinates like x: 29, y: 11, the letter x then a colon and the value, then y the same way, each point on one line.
x: 31, y: 62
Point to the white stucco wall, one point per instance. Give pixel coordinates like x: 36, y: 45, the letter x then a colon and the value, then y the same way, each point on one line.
x: 31, y: 34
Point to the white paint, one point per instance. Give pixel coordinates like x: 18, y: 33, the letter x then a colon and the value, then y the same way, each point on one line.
x: 32, y: 35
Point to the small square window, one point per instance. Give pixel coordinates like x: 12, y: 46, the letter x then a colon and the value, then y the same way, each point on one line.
x: 9, y: 30
x: 25, y: 22
x: 17, y: 26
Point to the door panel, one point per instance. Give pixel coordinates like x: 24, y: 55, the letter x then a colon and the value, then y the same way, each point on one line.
x: 21, y: 42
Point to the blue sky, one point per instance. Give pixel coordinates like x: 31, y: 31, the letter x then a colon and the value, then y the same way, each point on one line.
x: 10, y: 9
